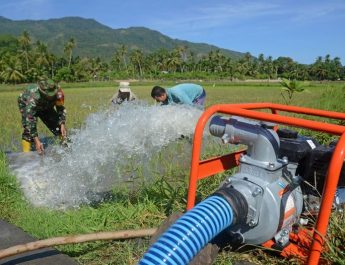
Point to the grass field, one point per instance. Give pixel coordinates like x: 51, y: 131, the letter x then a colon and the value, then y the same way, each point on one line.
x: 148, y: 206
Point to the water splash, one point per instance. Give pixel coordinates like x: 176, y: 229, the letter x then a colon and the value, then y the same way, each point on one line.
x: 104, y: 152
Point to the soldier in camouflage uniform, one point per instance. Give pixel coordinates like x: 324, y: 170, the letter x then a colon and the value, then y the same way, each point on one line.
x: 46, y: 101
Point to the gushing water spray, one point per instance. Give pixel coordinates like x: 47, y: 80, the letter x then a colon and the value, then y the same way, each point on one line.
x: 104, y: 153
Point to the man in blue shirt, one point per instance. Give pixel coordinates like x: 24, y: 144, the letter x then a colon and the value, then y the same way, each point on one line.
x: 190, y: 94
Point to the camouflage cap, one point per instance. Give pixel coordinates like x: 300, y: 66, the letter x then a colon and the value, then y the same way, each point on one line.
x: 48, y: 87
x: 50, y: 82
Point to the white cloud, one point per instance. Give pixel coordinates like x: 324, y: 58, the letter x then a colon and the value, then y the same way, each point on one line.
x: 230, y: 13
x: 319, y: 10
x: 211, y: 16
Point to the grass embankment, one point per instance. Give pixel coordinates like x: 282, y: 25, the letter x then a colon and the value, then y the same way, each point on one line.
x: 149, y: 205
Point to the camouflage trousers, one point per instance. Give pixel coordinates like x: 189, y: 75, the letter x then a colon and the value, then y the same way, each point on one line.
x: 49, y: 117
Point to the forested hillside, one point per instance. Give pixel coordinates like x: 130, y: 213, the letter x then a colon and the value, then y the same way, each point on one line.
x: 97, y: 40
x: 75, y: 49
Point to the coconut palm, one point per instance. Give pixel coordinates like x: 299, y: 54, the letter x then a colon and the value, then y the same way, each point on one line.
x: 191, y: 62
x: 270, y: 68
x: 95, y: 66
x: 174, y: 61
x: 42, y: 57
x: 12, y: 71
x: 182, y: 50
x: 52, y: 64
x: 336, y: 67
x: 116, y: 61
x: 81, y: 69
x: 68, y: 49
x: 123, y: 52
x: 137, y: 58
x: 25, y: 42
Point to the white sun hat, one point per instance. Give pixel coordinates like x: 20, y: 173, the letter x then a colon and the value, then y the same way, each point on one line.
x: 124, y: 87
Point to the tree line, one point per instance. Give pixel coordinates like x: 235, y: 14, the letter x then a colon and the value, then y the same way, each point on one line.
x: 22, y: 60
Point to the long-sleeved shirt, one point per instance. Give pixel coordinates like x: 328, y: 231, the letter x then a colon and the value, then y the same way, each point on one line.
x: 32, y: 104
x: 184, y: 93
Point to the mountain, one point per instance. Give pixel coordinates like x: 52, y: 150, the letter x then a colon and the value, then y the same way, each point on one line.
x: 96, y: 40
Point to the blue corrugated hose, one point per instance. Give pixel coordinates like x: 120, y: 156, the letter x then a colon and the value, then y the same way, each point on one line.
x: 190, y: 233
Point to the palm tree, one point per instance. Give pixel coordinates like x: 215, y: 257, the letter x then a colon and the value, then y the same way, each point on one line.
x: 229, y: 68
x: 152, y: 63
x: 52, y: 61
x: 137, y: 58
x: 283, y: 64
x: 244, y: 66
x: 116, y: 61
x: 68, y: 49
x: 174, y: 60
x: 327, y: 58
x: 182, y: 50
x: 220, y: 61
x: 123, y: 52
x: 95, y: 66
x: 191, y: 62
x: 261, y: 64
x: 12, y: 71
x: 270, y: 68
x: 162, y: 59
x: 81, y: 69
x: 25, y: 42
x: 42, y: 54
x: 336, y: 67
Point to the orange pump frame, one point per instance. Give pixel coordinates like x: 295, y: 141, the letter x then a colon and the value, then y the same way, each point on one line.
x: 203, y: 169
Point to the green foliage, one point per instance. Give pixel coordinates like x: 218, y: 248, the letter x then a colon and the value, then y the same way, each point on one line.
x: 65, y: 73
x: 10, y: 196
x: 149, y: 204
x: 168, y: 195
x: 12, y: 71
x: 8, y: 43
x: 290, y: 87
x: 335, y: 242
x: 136, y: 53
x: 97, y: 40
x: 332, y: 98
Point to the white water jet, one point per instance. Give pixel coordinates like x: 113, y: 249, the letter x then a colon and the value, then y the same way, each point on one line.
x: 108, y: 143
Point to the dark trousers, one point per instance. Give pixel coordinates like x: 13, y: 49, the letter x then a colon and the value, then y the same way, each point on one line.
x: 49, y: 117
x: 201, y: 99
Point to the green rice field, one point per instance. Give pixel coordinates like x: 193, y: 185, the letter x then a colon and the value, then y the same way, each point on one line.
x: 149, y: 205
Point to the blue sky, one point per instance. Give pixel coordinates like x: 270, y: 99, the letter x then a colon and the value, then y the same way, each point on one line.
x: 300, y: 29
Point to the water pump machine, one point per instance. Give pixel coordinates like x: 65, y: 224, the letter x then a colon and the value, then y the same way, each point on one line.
x: 263, y: 201
x: 271, y: 189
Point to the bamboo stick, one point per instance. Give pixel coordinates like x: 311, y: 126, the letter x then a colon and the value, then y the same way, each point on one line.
x: 55, y: 241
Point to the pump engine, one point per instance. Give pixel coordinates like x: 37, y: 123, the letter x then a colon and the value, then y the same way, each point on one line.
x: 274, y: 177
x: 280, y: 176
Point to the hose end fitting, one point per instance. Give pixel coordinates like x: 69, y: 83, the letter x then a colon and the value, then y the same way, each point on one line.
x: 237, y: 202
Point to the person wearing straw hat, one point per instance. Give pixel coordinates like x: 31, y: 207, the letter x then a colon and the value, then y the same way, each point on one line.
x: 44, y: 100
x: 123, y: 94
